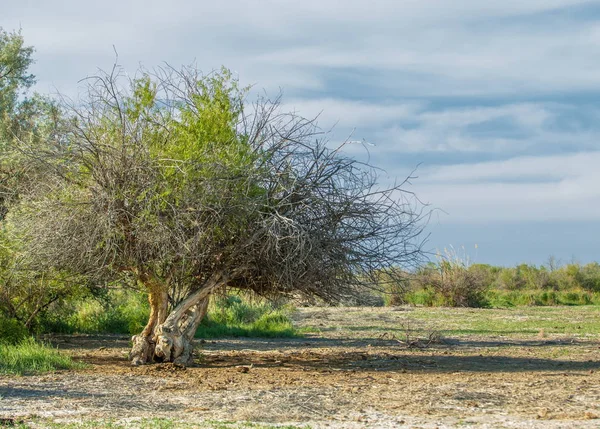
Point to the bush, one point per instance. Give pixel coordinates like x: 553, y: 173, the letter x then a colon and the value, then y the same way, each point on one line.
x: 392, y: 291
x: 11, y: 331
x: 453, y: 283
x: 26, y: 295
x: 425, y: 297
x: 588, y: 277
x: 501, y: 298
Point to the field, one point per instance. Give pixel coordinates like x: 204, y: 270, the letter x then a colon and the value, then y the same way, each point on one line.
x: 353, y: 368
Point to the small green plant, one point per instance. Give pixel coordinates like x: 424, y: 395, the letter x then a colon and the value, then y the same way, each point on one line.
x: 30, y: 356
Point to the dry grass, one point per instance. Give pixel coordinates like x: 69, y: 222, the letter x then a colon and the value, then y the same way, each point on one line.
x: 491, y: 369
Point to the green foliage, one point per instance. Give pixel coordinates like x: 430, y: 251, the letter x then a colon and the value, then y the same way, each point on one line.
x: 238, y: 317
x: 126, y: 312
x: 16, y: 112
x: 504, y: 298
x: 425, y: 297
x: 26, y: 295
x: 453, y: 282
x: 15, y: 59
x: 207, y: 129
x: 29, y: 120
x: 588, y: 276
x: 30, y: 356
x: 11, y: 330
x: 204, y: 131
x: 116, y: 312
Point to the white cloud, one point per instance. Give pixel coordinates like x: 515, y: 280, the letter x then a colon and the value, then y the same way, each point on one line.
x: 438, y: 47
x: 347, y: 114
x: 527, y: 114
x: 413, y: 127
x: 522, y: 169
x: 375, y: 66
x: 543, y: 188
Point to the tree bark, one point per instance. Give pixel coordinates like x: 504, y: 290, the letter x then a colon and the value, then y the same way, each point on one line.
x: 176, y: 345
x: 142, y: 350
x: 170, y: 339
x: 174, y: 337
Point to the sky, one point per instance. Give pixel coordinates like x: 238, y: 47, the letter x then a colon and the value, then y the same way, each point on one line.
x: 494, y: 106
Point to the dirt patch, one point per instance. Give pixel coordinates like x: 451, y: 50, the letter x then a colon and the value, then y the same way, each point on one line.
x: 335, y: 378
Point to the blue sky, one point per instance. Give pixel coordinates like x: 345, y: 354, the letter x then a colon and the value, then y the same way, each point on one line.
x: 498, y: 103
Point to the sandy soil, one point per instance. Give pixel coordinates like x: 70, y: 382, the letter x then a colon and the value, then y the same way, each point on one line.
x: 342, y: 377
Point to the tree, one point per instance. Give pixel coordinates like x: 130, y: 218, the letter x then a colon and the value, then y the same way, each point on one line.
x: 15, y: 80
x: 171, y: 181
x: 23, y: 116
x: 24, y: 294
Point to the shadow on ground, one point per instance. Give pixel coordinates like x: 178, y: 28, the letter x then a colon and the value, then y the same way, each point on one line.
x: 371, y: 354
x: 402, y: 360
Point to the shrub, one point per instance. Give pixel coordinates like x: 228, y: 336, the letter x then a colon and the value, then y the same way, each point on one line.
x: 500, y: 298
x: 393, y: 289
x: 426, y: 297
x: 26, y: 295
x: 11, y: 331
x: 454, y: 283
x: 588, y: 277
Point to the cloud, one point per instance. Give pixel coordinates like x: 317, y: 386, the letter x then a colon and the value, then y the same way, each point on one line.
x: 505, y: 130
x: 523, y: 169
x: 490, y: 96
x: 467, y: 48
x: 542, y: 188
x: 351, y: 113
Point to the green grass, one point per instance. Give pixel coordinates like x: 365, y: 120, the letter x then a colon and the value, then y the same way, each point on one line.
x: 494, y: 324
x: 30, y: 356
x: 233, y: 316
x: 580, y: 321
x: 498, y: 298
x: 119, y: 312
x: 127, y: 313
x: 505, y: 298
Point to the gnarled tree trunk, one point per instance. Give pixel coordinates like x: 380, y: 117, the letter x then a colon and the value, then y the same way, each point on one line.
x: 142, y: 350
x: 174, y: 337
x: 170, y: 339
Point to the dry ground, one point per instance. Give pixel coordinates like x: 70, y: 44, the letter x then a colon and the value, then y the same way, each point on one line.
x: 358, y: 367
